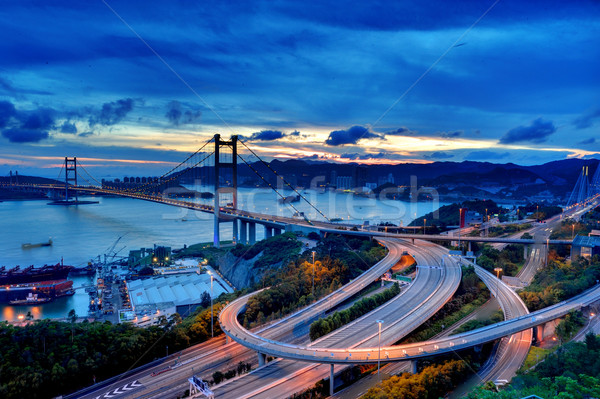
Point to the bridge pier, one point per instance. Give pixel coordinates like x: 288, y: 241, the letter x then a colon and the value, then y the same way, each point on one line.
x: 331, y: 380
x: 276, y: 231
x: 469, y: 246
x: 539, y: 333
x: 268, y: 231
x: 252, y: 233
x: 525, y: 251
x: 262, y: 359
x: 234, y: 229
x: 414, y: 366
x: 243, y: 232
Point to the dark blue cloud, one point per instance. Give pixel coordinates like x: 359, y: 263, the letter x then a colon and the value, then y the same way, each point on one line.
x: 401, y: 131
x: 350, y: 136
x: 451, y: 135
x: 68, y: 127
x: 439, y: 155
x: 588, y: 119
x: 86, y: 134
x: 39, y: 119
x: 7, y: 111
x: 18, y: 135
x: 178, y: 116
x: 266, y: 135
x: 112, y: 112
x: 486, y: 155
x: 537, y: 132
x: 589, y: 141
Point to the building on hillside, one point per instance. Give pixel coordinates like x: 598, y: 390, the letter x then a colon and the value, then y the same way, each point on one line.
x: 344, y: 183
x: 585, y: 246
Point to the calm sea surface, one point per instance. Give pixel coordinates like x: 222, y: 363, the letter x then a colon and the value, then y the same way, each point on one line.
x: 80, y: 233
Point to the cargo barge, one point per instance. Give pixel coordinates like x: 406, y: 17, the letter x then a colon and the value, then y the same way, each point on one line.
x: 43, y: 283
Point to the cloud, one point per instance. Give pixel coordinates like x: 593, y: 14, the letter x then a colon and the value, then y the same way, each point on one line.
x: 295, y: 133
x: 7, y: 111
x: 350, y: 136
x: 267, y: 135
x: 537, y: 132
x: 177, y: 116
x: 587, y: 120
x: 452, y: 135
x: 401, y: 131
x: 439, y: 155
x: 486, y: 155
x: 86, y: 134
x: 68, y: 127
x: 17, y: 135
x: 112, y: 113
x: 588, y: 141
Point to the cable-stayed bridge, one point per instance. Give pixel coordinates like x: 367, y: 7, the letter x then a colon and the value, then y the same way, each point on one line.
x: 585, y: 190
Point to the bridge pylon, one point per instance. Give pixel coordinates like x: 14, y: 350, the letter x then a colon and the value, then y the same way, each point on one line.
x: 221, y: 164
x: 70, y: 176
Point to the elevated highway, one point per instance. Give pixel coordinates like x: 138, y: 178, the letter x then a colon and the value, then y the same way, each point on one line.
x: 346, y: 355
x: 437, y: 280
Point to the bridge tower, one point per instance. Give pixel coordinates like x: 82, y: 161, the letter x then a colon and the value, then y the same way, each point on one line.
x: 221, y: 162
x: 70, y: 176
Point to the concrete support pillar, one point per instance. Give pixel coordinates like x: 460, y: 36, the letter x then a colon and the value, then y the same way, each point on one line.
x: 243, y: 232
x: 276, y: 231
x: 234, y: 229
x: 216, y: 235
x: 469, y: 246
x: 331, y: 380
x: 525, y: 251
x: 539, y: 333
x: 268, y: 232
x: 252, y: 233
x: 227, y: 339
x: 414, y: 366
x: 262, y: 359
x: 413, y: 240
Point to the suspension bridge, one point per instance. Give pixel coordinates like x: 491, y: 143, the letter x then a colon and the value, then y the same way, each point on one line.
x: 212, y: 172
x: 213, y: 168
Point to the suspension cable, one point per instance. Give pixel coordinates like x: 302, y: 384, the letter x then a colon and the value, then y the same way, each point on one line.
x: 273, y: 188
x: 89, y: 175
x: 174, y: 176
x: 283, y: 180
x: 157, y: 181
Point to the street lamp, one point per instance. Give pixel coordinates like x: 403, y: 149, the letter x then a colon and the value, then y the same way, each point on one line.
x: 497, y: 270
x: 380, y: 322
x: 547, y: 250
x: 573, y: 231
x: 212, y: 331
x: 424, y: 224
x: 459, y: 226
x: 313, y: 283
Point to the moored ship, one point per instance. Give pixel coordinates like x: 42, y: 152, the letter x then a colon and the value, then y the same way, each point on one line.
x: 31, y: 274
x: 45, y: 289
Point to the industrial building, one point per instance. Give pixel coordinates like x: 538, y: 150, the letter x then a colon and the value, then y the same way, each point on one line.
x: 585, y: 246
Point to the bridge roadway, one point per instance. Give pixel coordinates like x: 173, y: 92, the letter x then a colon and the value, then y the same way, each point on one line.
x: 282, y: 221
x: 432, y: 288
x: 205, y: 359
x: 343, y: 355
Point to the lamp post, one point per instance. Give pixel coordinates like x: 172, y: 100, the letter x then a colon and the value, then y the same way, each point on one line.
x: 379, y: 322
x: 212, y: 331
x: 313, y: 282
x: 573, y: 231
x: 424, y: 225
x: 547, y: 250
x: 497, y: 270
x: 459, y: 227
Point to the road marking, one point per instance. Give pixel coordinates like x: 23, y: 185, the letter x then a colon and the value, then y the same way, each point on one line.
x: 121, y: 390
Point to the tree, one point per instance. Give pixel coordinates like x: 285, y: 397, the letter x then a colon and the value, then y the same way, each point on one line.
x: 72, y: 316
x: 205, y: 299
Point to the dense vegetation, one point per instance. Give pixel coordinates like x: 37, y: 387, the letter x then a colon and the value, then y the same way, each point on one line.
x: 560, y: 280
x: 496, y: 231
x: 336, y: 262
x: 538, y: 211
x: 572, y: 371
x: 448, y: 215
x: 277, y: 249
x: 431, y: 383
x: 496, y: 317
x: 510, y: 259
x: 47, y: 358
x: 363, y: 306
x: 470, y: 294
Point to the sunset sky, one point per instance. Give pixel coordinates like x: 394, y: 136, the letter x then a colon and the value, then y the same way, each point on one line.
x: 131, y: 87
